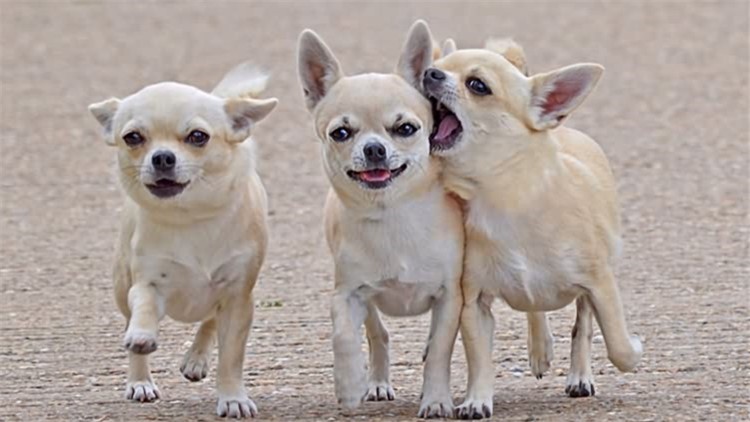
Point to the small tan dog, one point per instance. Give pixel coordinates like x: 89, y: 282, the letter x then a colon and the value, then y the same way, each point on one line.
x: 542, y: 222
x: 396, y: 237
x: 193, y: 234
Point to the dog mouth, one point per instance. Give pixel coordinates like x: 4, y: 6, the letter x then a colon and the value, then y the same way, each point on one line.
x: 377, y: 178
x: 447, y: 127
x: 166, y: 188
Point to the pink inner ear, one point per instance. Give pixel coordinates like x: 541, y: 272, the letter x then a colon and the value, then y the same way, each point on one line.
x: 563, y: 92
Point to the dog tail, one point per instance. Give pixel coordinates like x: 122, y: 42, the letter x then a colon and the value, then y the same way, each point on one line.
x: 245, y: 80
x: 509, y: 49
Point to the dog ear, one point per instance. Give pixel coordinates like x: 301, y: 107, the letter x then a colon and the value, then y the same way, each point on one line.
x: 104, y: 112
x: 449, y: 46
x: 554, y: 95
x: 416, y: 55
x: 511, y: 50
x: 243, y: 113
x: 317, y: 66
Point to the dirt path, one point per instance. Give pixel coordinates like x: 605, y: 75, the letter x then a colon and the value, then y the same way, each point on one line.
x: 672, y: 114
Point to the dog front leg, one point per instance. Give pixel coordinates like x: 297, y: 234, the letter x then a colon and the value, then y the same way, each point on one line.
x: 436, y: 390
x: 379, y: 387
x: 477, y: 330
x: 140, y: 340
x: 234, y: 319
x: 348, y: 313
x: 580, y: 382
x: 539, y: 343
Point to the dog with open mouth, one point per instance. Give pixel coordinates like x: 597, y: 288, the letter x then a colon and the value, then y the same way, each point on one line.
x: 395, y: 235
x: 194, y: 232
x: 542, y: 220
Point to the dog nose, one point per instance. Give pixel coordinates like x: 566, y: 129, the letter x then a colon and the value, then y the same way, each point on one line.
x: 163, y: 160
x: 434, y: 75
x: 375, y: 152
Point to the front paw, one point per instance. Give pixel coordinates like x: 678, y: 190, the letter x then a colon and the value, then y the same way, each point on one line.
x: 236, y: 407
x: 436, y: 408
x: 579, y: 385
x: 142, y: 391
x: 140, y: 342
x: 350, y: 383
x: 474, y: 409
x: 380, y: 391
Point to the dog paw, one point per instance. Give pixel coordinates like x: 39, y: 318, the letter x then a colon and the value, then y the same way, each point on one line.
x: 380, y: 391
x: 474, y: 409
x: 194, y: 366
x: 540, y: 357
x: 142, y: 391
x: 579, y: 386
x: 236, y: 407
x: 438, y: 408
x: 140, y: 342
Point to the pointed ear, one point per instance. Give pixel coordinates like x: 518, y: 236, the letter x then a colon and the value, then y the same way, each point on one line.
x: 416, y: 55
x: 554, y: 95
x: 449, y: 46
x: 317, y: 66
x: 511, y: 50
x: 104, y: 112
x: 243, y: 113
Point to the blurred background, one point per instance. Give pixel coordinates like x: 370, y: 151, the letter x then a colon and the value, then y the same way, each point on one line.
x: 671, y: 113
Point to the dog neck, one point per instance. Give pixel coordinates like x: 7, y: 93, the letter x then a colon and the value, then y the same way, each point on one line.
x: 511, y: 172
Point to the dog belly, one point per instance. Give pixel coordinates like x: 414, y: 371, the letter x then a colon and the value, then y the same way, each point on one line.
x: 395, y: 298
x: 192, y: 304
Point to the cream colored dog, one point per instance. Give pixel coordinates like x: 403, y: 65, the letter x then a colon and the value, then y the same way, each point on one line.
x: 194, y: 234
x: 396, y: 237
x: 542, y: 222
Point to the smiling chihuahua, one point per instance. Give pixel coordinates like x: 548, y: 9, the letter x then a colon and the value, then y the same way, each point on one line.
x: 396, y: 237
x: 542, y: 223
x: 193, y: 233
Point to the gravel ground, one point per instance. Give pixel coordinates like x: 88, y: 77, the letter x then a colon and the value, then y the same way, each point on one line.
x: 671, y: 112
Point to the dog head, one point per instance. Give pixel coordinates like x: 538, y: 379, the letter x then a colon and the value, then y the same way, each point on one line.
x: 485, y: 95
x: 179, y: 145
x: 374, y: 127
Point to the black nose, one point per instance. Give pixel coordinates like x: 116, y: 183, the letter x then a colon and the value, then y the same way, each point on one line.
x: 163, y: 160
x: 375, y: 152
x: 434, y: 75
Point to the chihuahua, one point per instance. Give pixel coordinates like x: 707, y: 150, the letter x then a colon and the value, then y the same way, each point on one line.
x: 193, y: 234
x: 395, y: 235
x: 542, y: 220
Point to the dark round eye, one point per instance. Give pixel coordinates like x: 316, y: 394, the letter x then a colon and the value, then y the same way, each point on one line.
x: 197, y: 138
x: 340, y: 134
x: 478, y: 87
x: 133, y: 139
x: 406, y: 130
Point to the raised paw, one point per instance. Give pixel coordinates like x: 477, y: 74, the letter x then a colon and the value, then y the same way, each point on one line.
x: 436, y: 408
x: 236, y: 407
x: 140, y: 342
x: 142, y: 391
x: 194, y: 366
x: 579, y: 386
x: 474, y: 409
x: 380, y: 391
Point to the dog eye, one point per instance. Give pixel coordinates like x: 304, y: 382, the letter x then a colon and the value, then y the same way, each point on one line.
x: 133, y: 139
x: 197, y: 138
x: 478, y: 87
x: 340, y: 134
x: 406, y: 130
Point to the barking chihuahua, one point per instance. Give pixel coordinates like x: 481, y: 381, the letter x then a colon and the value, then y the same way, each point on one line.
x: 193, y: 234
x: 542, y: 223
x: 396, y: 237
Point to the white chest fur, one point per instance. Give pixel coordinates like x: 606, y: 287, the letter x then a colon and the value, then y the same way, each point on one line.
x: 193, y: 267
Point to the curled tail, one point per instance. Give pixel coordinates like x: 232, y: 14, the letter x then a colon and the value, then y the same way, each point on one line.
x: 509, y: 49
x: 244, y: 81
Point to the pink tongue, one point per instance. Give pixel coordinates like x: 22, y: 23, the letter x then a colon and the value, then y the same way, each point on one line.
x: 375, y: 175
x: 447, y: 126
